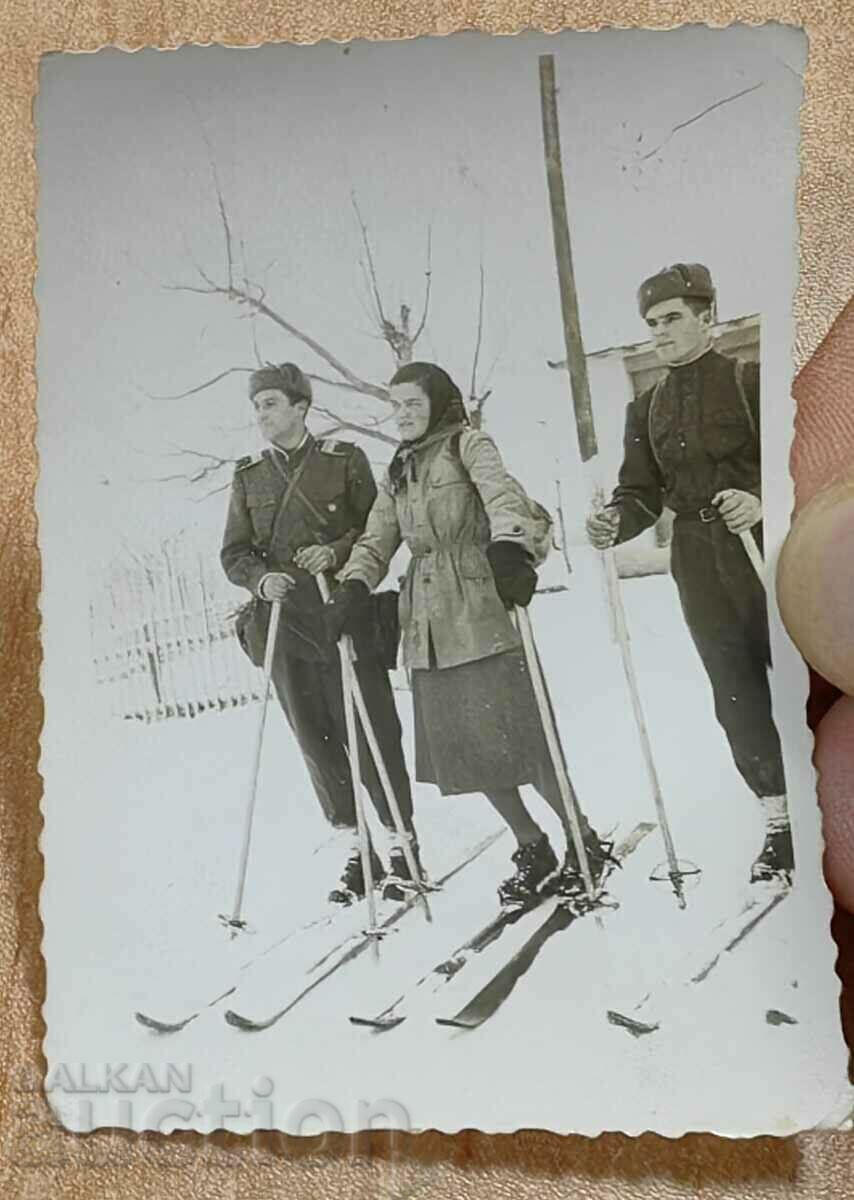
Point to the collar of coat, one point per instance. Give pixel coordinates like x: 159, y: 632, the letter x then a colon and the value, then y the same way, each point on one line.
x: 403, y: 466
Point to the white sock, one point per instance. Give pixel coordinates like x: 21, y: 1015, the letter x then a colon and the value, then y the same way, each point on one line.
x: 776, y: 812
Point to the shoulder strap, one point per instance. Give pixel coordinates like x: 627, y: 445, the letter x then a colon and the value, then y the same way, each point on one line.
x: 657, y: 391
x: 290, y: 490
x: 248, y: 460
x: 742, y: 394
x: 330, y: 445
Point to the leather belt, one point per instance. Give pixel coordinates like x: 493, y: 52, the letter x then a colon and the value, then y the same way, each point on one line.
x: 707, y: 515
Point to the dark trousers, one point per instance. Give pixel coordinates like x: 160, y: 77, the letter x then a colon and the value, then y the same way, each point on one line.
x: 724, y: 606
x: 311, y: 696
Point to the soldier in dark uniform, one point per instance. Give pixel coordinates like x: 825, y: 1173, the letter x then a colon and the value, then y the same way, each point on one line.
x: 692, y: 445
x: 295, y: 512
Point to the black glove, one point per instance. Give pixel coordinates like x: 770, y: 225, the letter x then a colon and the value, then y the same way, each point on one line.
x: 344, y: 607
x: 515, y: 578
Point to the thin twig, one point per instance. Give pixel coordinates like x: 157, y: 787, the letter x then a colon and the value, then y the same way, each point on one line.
x: 253, y: 319
x: 429, y: 275
x: 479, y: 339
x: 214, y: 492
x: 354, y: 427
x: 194, y: 391
x: 213, y: 463
x: 336, y: 383
x: 225, y: 225
x: 213, y: 290
x: 369, y: 422
x: 361, y: 385
x: 372, y: 274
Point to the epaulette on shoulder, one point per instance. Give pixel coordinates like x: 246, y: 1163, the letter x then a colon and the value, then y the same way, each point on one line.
x: 248, y: 460
x: 333, y: 446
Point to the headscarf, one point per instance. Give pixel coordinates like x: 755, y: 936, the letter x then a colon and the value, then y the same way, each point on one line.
x: 447, y: 413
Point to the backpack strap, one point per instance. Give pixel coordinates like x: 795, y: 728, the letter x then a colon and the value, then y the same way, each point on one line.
x: 742, y: 395
x: 657, y: 393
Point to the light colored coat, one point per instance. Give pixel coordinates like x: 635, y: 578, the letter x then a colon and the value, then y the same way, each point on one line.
x: 450, y: 508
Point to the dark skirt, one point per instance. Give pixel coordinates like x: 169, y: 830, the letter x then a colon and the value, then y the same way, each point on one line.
x: 477, y: 727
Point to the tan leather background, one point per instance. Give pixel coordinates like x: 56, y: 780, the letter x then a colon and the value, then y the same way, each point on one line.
x: 36, y: 1158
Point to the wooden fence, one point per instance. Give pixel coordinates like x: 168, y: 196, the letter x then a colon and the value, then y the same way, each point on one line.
x: 163, y: 641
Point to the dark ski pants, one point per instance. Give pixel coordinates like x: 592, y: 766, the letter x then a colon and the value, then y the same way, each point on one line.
x: 311, y: 696
x: 724, y: 606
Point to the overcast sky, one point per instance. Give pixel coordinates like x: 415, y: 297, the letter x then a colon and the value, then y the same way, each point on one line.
x: 441, y: 133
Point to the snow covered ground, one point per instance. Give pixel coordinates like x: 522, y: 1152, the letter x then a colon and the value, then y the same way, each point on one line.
x: 146, y: 837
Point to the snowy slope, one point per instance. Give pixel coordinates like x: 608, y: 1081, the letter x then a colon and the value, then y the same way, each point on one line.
x: 164, y: 804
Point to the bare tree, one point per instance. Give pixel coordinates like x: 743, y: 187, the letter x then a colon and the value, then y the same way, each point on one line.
x: 400, y: 332
x: 477, y: 400
x: 400, y: 338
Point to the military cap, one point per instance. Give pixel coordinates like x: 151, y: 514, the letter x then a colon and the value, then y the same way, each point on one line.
x: 286, y: 377
x: 681, y: 281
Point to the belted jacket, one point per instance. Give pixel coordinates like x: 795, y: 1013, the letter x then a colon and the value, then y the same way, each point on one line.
x: 329, y: 507
x: 453, y: 499
x: 690, y: 436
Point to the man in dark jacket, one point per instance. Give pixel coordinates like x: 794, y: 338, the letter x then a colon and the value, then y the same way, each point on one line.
x: 692, y: 445
x: 295, y: 512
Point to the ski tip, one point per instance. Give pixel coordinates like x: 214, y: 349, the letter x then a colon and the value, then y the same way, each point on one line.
x: 378, y: 1024
x: 457, y: 1023
x: 245, y: 1023
x: 635, y: 1028
x: 162, y: 1026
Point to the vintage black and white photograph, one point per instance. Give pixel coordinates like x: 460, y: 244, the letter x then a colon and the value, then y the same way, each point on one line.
x: 422, y: 745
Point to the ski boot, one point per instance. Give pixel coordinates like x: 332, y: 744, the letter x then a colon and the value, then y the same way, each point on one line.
x: 536, y: 863
x: 570, y: 885
x: 399, y: 884
x: 776, y: 860
x: 351, y: 886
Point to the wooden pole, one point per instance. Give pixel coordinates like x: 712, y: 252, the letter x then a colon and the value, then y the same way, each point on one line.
x: 235, y: 921
x: 753, y: 553
x: 585, y: 428
x: 349, y: 683
x: 352, y: 680
x: 567, y: 791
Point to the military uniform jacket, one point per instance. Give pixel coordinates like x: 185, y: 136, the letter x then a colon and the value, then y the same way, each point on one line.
x: 328, y: 508
x: 448, y: 509
x: 688, y: 437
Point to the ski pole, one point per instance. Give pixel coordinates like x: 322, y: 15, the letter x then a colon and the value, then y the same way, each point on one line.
x: 586, y: 430
x: 751, y: 549
x: 347, y: 676
x: 235, y: 921
x: 567, y: 792
x: 753, y: 553
x: 379, y: 762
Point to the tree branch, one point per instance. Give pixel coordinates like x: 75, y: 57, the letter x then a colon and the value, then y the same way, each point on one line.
x: 369, y: 427
x: 371, y: 270
x: 253, y: 321
x: 353, y: 427
x: 479, y: 339
x: 225, y: 225
x: 194, y: 391
x: 211, y: 465
x: 357, y: 384
x: 341, y: 384
x: 429, y: 275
